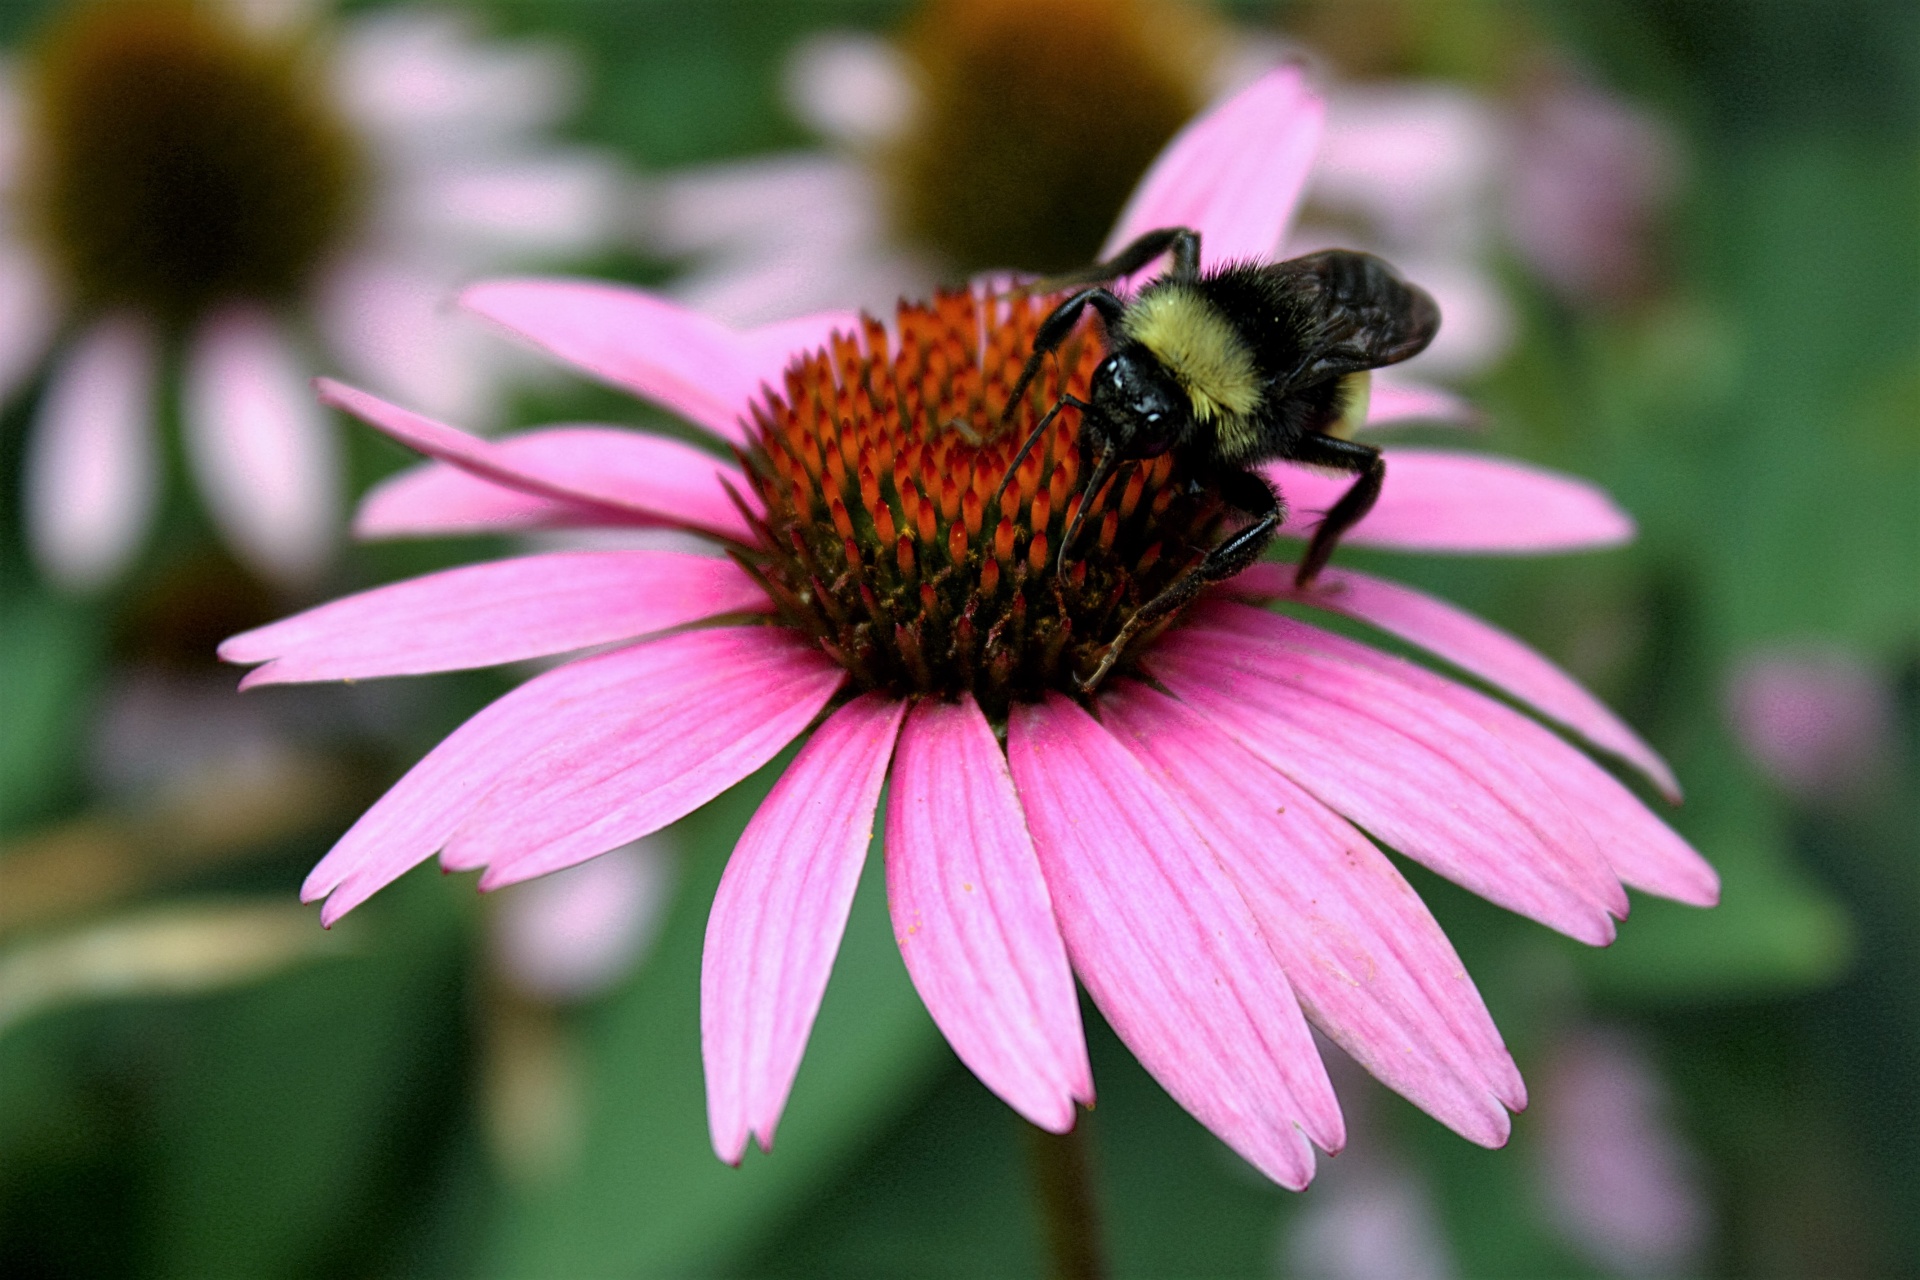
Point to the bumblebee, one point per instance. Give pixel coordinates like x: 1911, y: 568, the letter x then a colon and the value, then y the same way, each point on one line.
x: 1227, y: 369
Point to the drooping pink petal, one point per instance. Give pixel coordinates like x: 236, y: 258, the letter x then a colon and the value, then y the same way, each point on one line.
x: 1367, y: 960
x: 694, y: 365
x: 1436, y: 500
x: 1639, y: 848
x: 1390, y: 403
x: 1166, y: 945
x: 649, y: 759
x: 481, y: 615
x: 92, y: 470
x: 265, y: 455
x: 1234, y: 175
x: 778, y: 918
x: 679, y: 484
x: 418, y: 813
x: 973, y: 918
x: 1477, y: 647
x: 1432, y: 782
x: 558, y: 474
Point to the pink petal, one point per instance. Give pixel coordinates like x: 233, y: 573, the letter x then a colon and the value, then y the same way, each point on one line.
x: 264, y: 453
x: 650, y: 759
x: 484, y: 614
x: 29, y: 305
x: 1166, y: 946
x: 418, y: 813
x: 1391, y: 403
x: 1474, y: 646
x: 1435, y: 784
x: 778, y: 918
x: 682, y: 487
x: 1366, y: 958
x: 1435, y: 500
x: 557, y: 473
x: 695, y: 366
x: 973, y: 917
x: 1235, y: 174
x: 92, y: 465
x: 1637, y: 846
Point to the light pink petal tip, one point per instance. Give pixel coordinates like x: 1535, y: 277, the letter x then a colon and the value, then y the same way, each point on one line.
x: 690, y: 363
x: 264, y: 453
x: 973, y: 918
x: 1474, y: 646
x: 560, y: 472
x: 481, y: 615
x: 1369, y: 963
x: 1235, y: 174
x: 1436, y: 500
x: 1167, y: 947
x: 1436, y: 784
x: 778, y: 917
x: 583, y: 758
x: 681, y: 486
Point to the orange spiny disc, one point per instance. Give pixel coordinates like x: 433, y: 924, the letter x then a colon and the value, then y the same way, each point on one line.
x: 876, y: 471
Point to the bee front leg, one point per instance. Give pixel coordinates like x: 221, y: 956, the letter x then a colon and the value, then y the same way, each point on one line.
x: 1348, y: 455
x: 1182, y: 242
x: 1242, y: 490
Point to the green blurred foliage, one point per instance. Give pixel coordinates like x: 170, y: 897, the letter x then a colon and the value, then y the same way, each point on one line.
x: 1761, y: 419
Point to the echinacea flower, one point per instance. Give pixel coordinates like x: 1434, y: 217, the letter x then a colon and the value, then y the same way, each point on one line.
x: 1187, y: 841
x: 174, y: 177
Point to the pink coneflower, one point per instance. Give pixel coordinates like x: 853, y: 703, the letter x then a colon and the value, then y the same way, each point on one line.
x: 1186, y: 842
x: 176, y: 179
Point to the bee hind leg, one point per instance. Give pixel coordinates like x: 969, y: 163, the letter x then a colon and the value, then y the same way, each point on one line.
x: 1362, y: 459
x: 1242, y: 490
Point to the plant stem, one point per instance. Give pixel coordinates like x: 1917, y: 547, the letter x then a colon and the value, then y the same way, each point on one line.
x: 1062, y: 1180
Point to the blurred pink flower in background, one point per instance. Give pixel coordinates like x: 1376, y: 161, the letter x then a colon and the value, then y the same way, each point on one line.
x: 1590, y: 174
x: 1181, y: 849
x: 1619, y: 1179
x: 1816, y: 718
x: 406, y: 157
x: 572, y: 935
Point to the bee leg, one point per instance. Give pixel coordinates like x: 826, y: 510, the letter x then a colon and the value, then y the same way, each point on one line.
x: 1183, y: 242
x: 1348, y: 455
x: 1242, y: 490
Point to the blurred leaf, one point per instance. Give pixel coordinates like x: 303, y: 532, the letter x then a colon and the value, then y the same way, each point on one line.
x: 49, y: 651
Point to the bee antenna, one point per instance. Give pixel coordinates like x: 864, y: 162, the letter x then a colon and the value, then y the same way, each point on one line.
x: 1101, y: 470
x: 1033, y: 438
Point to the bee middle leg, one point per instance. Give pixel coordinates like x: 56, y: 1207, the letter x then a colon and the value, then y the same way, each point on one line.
x: 1242, y: 490
x: 1348, y: 455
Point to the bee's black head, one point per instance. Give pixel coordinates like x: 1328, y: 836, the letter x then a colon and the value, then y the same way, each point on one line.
x: 1137, y: 406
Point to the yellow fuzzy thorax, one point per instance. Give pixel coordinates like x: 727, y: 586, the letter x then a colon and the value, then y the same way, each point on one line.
x: 1203, y: 352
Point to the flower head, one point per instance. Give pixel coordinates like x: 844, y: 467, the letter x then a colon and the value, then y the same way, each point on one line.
x: 170, y: 169
x: 1184, y: 841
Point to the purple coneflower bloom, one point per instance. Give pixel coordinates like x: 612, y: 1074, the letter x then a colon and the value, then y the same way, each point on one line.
x: 1187, y: 842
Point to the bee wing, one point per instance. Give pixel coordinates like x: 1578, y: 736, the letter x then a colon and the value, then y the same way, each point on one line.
x: 1360, y: 313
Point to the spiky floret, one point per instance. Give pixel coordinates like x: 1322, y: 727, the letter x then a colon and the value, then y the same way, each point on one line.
x: 876, y: 467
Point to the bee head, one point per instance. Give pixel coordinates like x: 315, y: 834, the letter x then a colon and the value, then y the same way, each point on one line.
x: 1138, y: 408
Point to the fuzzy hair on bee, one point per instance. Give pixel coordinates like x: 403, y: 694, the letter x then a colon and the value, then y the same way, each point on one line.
x: 1227, y: 369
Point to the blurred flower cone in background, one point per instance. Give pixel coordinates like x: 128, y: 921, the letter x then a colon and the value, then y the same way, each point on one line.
x: 240, y: 186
